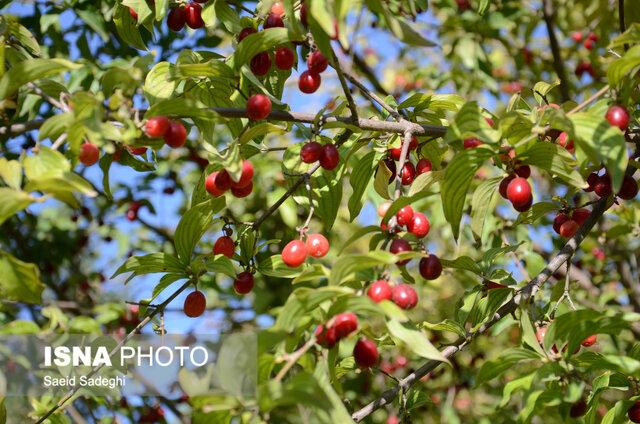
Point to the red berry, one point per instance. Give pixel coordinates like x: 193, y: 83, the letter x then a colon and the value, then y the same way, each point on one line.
x: 399, y: 246
x: 419, y: 225
x: 379, y: 291
x: 211, y: 187
x: 559, y: 220
x: 294, y: 253
x: 273, y: 21
x: 578, y: 409
x: 133, y: 14
x: 157, y: 126
x: 176, y: 135
x: 260, y: 64
x: 519, y: 191
x: 316, y: 62
x: 311, y: 152
x: 569, y: 228
x: 309, y: 82
x: 523, y: 171
x: 137, y: 150
x: 195, y: 304
x: 408, y: 173
x: 395, y: 153
x: 258, y: 107
x: 405, y: 215
x: 345, y: 324
x: 392, y: 419
x: 246, y: 32
x: 243, y: 283
x: 504, y: 184
x: 241, y: 192
x: 317, y: 245
x: 277, y: 8
x: 303, y: 15
x: 524, y: 207
x: 577, y: 36
x: 603, y: 186
x: 89, y: 154
x: 618, y: 116
x: 580, y: 215
x: 329, y: 157
x: 540, y: 334
x: 593, y: 36
x: 470, y: 143
x: 224, y: 246
x: 193, y: 14
x: 629, y: 188
x: 404, y: 296
x: 423, y: 165
x: 391, y: 166
x: 634, y: 412
x: 383, y: 208
x: 589, y: 341
x: 284, y: 58
x: 592, y: 179
x: 401, y: 361
x: 223, y: 180
x: 365, y: 353
x: 176, y: 19
x: 245, y: 177
x: 588, y: 44
x: 568, y: 145
x: 430, y: 267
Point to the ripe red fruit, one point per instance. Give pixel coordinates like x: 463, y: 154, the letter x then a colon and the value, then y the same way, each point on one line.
x: 581, y: 215
x: 317, y: 245
x: 603, y: 186
x: 408, y: 173
x: 193, y: 15
x: 405, y: 215
x: 391, y: 166
x: 401, y: 361
x: 294, y: 253
x: 157, y: 126
x: 395, y: 153
x: 524, y: 207
x: 329, y: 157
x: 540, y: 334
x: 137, y: 150
x: 569, y: 228
x: 345, y: 324
x: 211, y: 187
x: 430, y: 267
x: 519, y: 191
x: 246, y: 32
x: 399, y: 246
x: 260, y: 64
x: 392, y: 419
x: 419, y: 225
x: 589, y: 341
x: 133, y: 14
x: 89, y: 154
x: 316, y: 62
x: 284, y: 58
x: 568, y: 145
x: 176, y: 19
x: 223, y: 180
x: 559, y: 220
x: 245, y: 177
x: 578, y: 409
x: 176, y: 135
x: 383, y: 208
x: 523, y: 171
x: 241, y: 192
x: 588, y: 44
x: 380, y: 290
x: 258, y: 107
x: 365, y: 353
x: 311, y: 152
x: 404, y: 296
x: 243, y: 283
x: 629, y: 188
x: 592, y: 179
x: 277, y: 8
x: 634, y: 412
x: 195, y: 304
x: 309, y: 82
x: 273, y: 21
x: 327, y: 338
x: 224, y: 246
x: 470, y: 143
x: 423, y: 165
x: 303, y: 15
x: 577, y: 36
x: 618, y: 116
x: 504, y: 184
x: 593, y: 36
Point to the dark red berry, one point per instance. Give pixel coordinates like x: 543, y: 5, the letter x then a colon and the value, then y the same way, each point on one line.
x: 404, y: 296
x: 258, y: 107
x: 559, y: 220
x: 580, y: 215
x: 176, y: 135
x: 603, y: 186
x: 260, y: 64
x: 316, y: 62
x: 345, y: 324
x: 504, y: 184
x: 311, y: 152
x: 176, y: 19
x: 470, y: 143
x: 629, y: 188
x: 193, y: 15
x: 592, y: 179
x: 578, y: 409
x: 223, y: 180
x: 408, y: 173
x: 398, y: 246
x: 224, y: 246
x: 524, y: 207
x: 243, y: 283
x: 523, y: 171
x: 519, y: 191
x: 569, y: 228
x: 634, y: 412
x: 365, y: 353
x: 241, y: 192
x: 303, y: 15
x: 618, y: 116
x: 273, y: 21
x: 564, y: 142
x: 423, y: 165
x: 133, y: 14
x: 380, y: 290
x: 309, y: 82
x: 246, y: 32
x: 195, y: 304
x: 245, y: 176
x: 329, y: 157
x: 157, y: 126
x: 430, y: 267
x: 211, y: 187
x: 284, y: 58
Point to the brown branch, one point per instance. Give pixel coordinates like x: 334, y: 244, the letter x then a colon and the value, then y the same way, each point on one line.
x: 558, y: 63
x: 22, y: 127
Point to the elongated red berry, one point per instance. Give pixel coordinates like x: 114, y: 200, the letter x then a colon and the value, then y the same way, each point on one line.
x: 258, y: 107
x: 311, y: 152
x: 399, y: 246
x: 404, y: 296
x: 224, y: 246
x: 176, y: 19
x: 176, y: 135
x: 316, y: 62
x: 260, y: 64
x: 519, y: 191
x: 380, y: 290
x: 329, y: 157
x: 365, y: 353
x: 419, y: 225
x: 193, y: 15
x: 89, y: 154
x: 317, y: 245
x: 157, y: 126
x: 195, y: 304
x: 243, y: 283
x: 345, y: 324
x: 211, y: 187
x: 309, y: 82
x: 430, y: 267
x: 294, y: 253
x: 284, y: 58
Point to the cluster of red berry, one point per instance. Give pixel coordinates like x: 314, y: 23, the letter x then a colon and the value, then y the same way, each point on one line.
x: 173, y: 132
x: 588, y: 42
x: 328, y: 154
x: 217, y: 183
x: 409, y: 170
x: 295, y: 252
x: 365, y: 351
x: 191, y: 14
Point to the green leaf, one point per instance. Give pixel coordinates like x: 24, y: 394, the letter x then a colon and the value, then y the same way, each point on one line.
x: 329, y: 192
x: 457, y: 179
x: 208, y: 14
x: 11, y: 172
x: 193, y: 225
x: 220, y: 264
x: 31, y: 70
x: 506, y: 360
x: 543, y: 88
x: 358, y: 234
x: 12, y: 201
x: 67, y: 182
x: 95, y: 21
x: 157, y: 85
x: 602, y: 142
x: 162, y: 7
x: 424, y: 181
x: 228, y: 17
x: 556, y: 160
x: 360, y: 180
x: 621, y: 67
x: 19, y: 280
x: 381, y: 182
x: 211, y: 69
x: 630, y: 36
x: 150, y: 264
x: 47, y: 162
x: 260, y: 130
x: 484, y: 6
x: 165, y: 282
x: 470, y: 122
x: 347, y: 265
x: 536, y: 212
x: 480, y: 203
x: 401, y: 29
x: 446, y: 325
x: 127, y: 27
x: 184, y: 107
x: 262, y: 41
x: 464, y: 263
x: 414, y: 339
x: 274, y: 266
x: 434, y: 102
x: 54, y: 126
x: 24, y: 37
x: 528, y: 332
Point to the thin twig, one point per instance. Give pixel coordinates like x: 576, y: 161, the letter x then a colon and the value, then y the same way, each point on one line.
x: 558, y: 63
x: 48, y: 98
x: 293, y: 358
x: 345, y: 88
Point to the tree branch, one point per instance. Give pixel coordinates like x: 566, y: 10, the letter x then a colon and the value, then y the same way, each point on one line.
x: 558, y: 63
